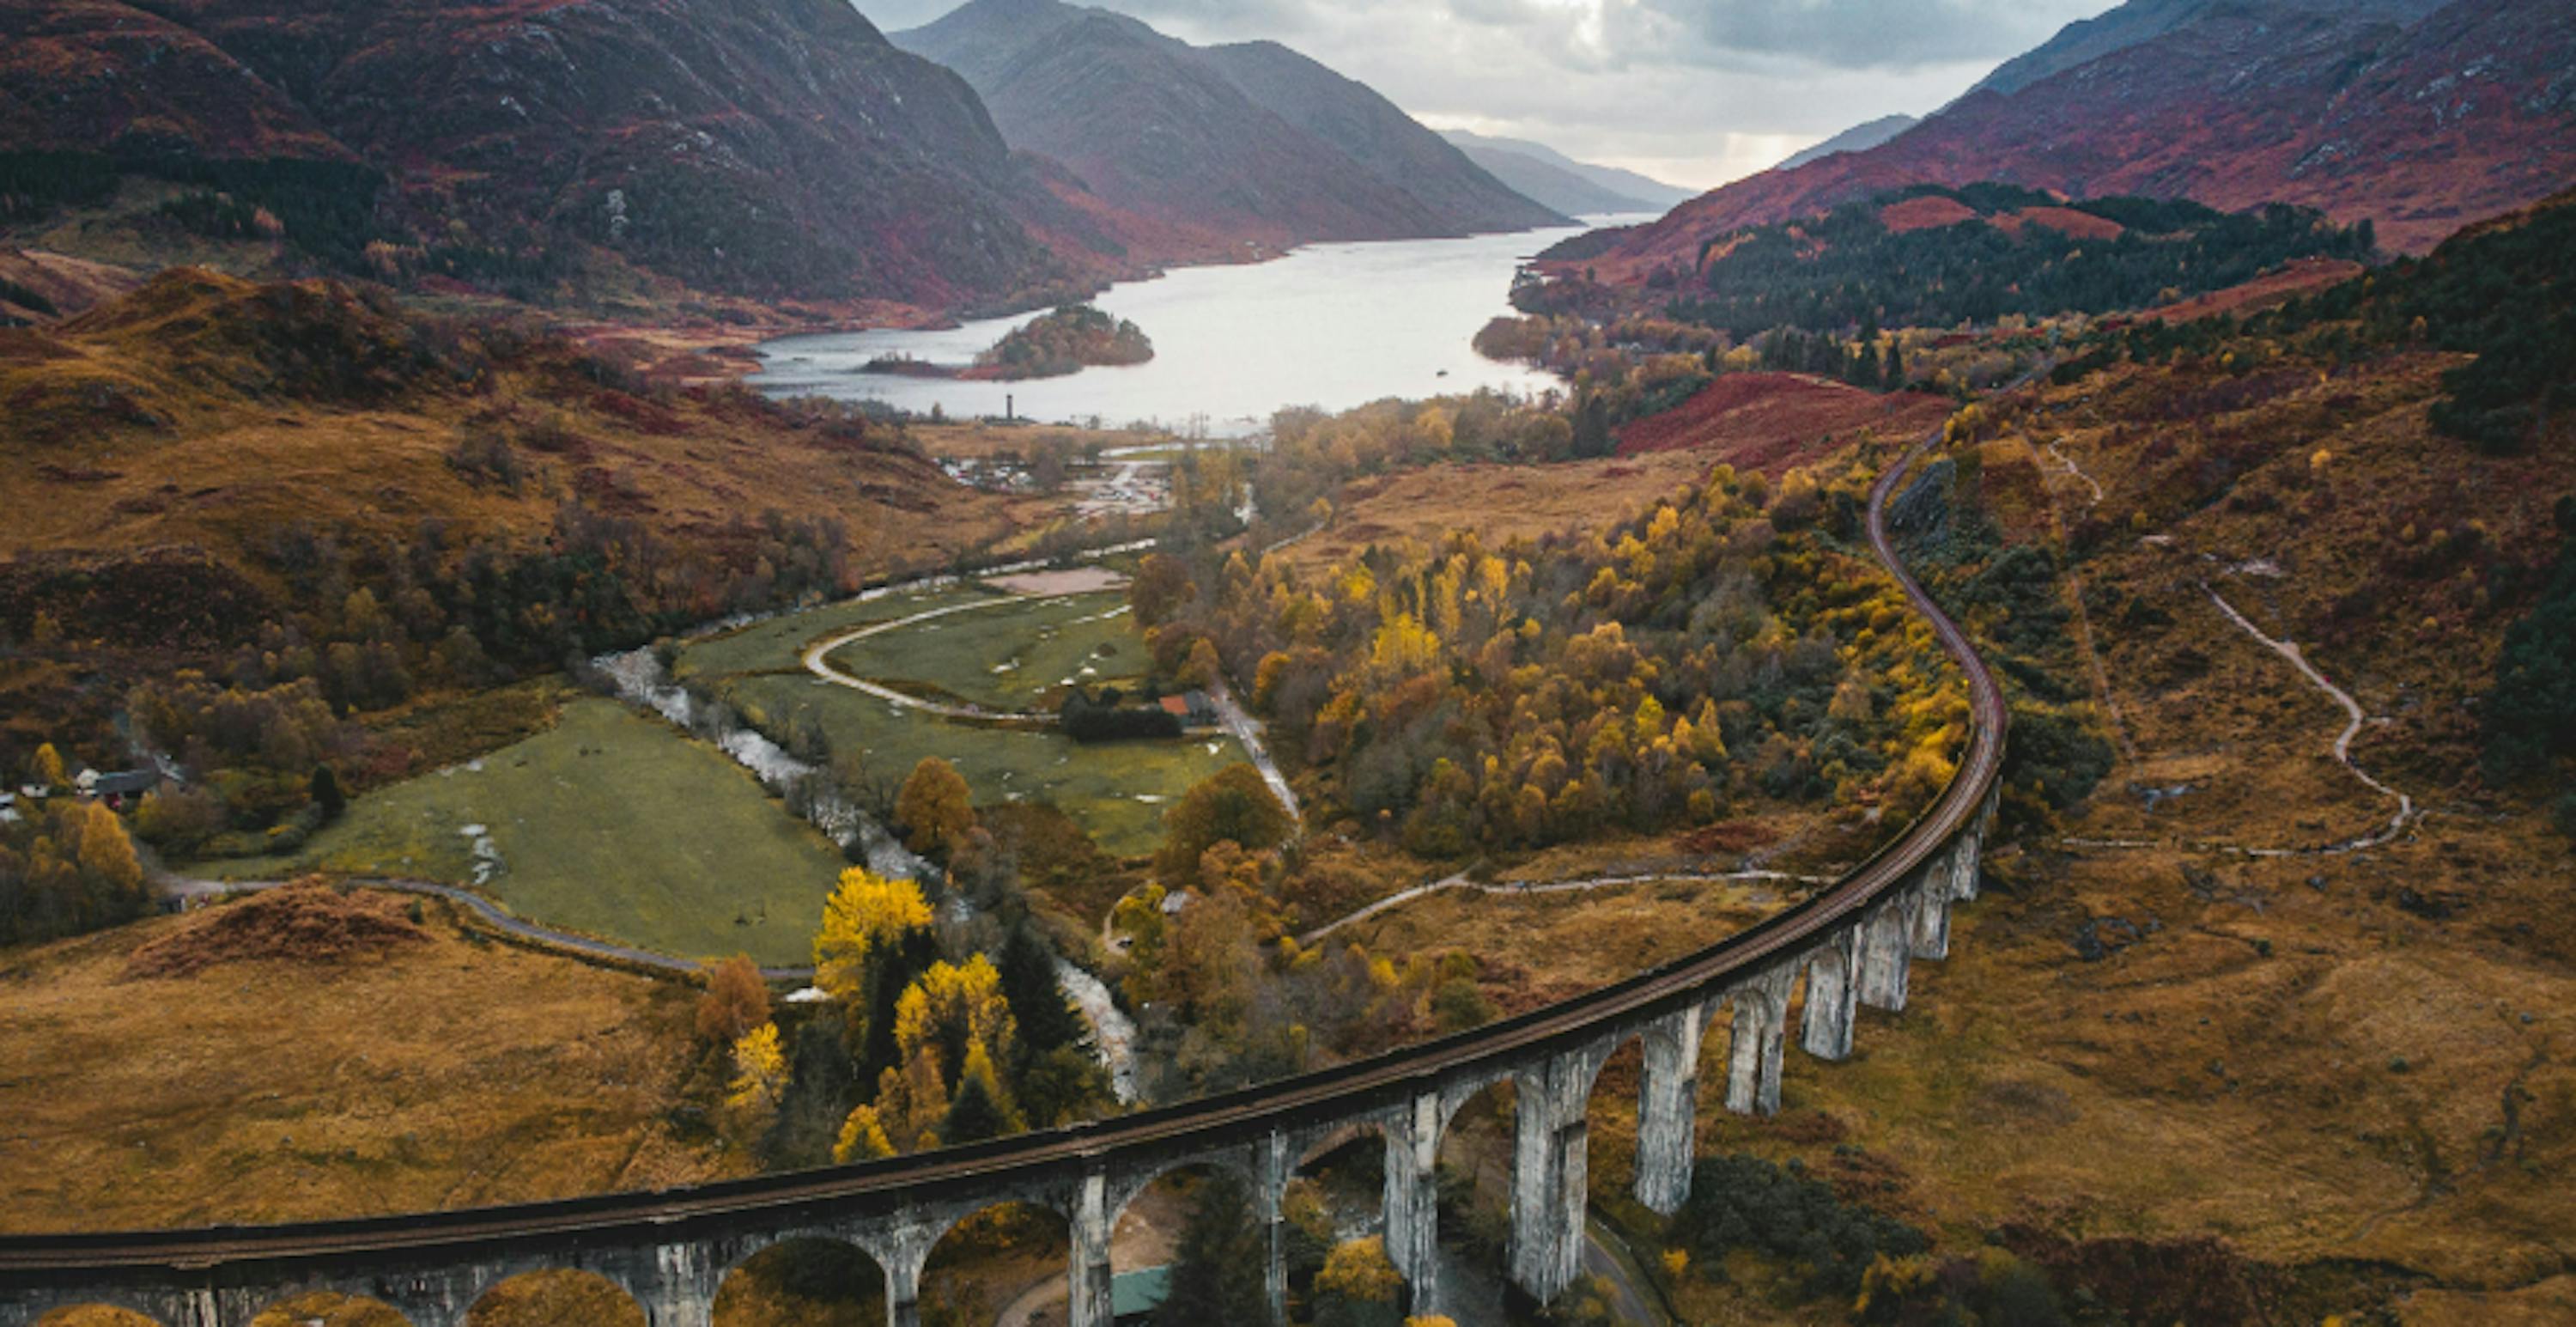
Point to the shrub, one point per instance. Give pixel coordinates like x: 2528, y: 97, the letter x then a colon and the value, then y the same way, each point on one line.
x: 1745, y: 1202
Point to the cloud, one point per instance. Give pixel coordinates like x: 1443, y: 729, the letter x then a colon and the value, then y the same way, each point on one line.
x: 1694, y: 91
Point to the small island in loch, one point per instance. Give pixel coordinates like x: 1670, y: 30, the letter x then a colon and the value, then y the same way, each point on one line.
x: 1072, y: 338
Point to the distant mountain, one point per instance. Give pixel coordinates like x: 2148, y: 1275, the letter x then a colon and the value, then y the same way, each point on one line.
x: 761, y: 147
x: 2086, y: 40
x: 2420, y: 128
x: 1254, y: 143
x: 1623, y: 190
x: 1858, y: 138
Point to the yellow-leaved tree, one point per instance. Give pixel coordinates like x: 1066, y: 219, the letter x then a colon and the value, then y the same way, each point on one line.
x: 866, y: 912
x: 759, y: 1081
x: 1358, y: 1272
x: 952, y: 1006
x: 863, y: 1138
x: 47, y: 768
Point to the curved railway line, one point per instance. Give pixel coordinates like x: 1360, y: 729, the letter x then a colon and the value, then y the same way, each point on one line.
x: 655, y: 1217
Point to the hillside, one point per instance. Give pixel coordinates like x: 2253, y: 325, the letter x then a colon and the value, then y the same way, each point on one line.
x: 2420, y: 130
x: 1858, y: 138
x: 1632, y: 191
x: 1253, y: 144
x: 1543, y: 181
x: 206, y: 463
x: 1372, y: 131
x: 768, y: 149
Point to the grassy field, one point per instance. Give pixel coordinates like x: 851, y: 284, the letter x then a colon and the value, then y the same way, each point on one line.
x: 1019, y: 657
x: 441, y: 1073
x: 612, y: 824
x: 1014, y: 656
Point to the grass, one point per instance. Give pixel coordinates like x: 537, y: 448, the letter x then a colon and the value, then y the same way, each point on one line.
x: 1017, y: 658
x: 611, y: 824
x: 1498, y: 502
x: 1116, y: 792
x: 442, y: 1074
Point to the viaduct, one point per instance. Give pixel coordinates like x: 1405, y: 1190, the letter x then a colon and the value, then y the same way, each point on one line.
x: 1849, y: 945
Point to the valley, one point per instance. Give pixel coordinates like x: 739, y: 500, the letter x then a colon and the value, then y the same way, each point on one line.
x: 1051, y: 665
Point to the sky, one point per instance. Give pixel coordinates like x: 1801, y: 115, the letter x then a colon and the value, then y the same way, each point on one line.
x: 1692, y: 92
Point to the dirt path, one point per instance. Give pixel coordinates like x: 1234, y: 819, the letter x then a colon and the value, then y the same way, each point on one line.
x: 818, y: 663
x: 2343, y: 741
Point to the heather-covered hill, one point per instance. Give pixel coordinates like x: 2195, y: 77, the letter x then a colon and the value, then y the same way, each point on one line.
x: 769, y: 148
x: 207, y: 456
x: 1251, y: 143
x: 2420, y: 128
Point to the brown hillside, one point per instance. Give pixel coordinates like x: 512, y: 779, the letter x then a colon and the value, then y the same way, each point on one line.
x: 209, y: 412
x: 1773, y: 421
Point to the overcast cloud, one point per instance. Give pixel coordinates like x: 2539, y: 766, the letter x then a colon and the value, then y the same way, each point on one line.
x: 1697, y: 92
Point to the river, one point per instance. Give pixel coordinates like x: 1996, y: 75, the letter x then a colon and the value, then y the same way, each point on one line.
x: 1330, y: 325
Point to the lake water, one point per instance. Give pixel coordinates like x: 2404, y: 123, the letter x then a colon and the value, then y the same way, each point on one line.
x: 1330, y: 325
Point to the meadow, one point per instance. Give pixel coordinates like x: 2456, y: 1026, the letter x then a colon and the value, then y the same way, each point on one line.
x: 1014, y: 656
x: 611, y: 823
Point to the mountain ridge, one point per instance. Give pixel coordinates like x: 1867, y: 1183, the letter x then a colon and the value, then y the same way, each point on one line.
x: 2419, y: 130
x: 1253, y: 143
x: 1578, y: 187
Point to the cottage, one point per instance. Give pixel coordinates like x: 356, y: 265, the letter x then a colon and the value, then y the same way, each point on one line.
x: 1192, y: 708
x: 121, y: 790
x: 8, y: 808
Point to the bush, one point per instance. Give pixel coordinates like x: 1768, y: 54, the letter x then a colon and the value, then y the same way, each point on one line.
x: 1745, y: 1202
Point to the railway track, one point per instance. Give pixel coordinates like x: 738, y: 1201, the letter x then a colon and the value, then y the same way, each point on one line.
x: 646, y: 1216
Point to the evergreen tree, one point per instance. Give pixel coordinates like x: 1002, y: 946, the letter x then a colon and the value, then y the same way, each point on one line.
x: 326, y: 793
x: 973, y: 1115
x: 1217, y: 1271
x: 1047, y: 1020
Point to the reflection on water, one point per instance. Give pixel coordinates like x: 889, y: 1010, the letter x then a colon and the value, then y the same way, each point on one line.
x: 1332, y: 325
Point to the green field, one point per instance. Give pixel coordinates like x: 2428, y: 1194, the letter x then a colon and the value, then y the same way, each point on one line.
x: 611, y: 823
x: 1007, y: 656
x: 1012, y: 656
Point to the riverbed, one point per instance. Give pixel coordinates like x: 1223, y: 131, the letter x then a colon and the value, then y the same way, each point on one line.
x: 1329, y: 325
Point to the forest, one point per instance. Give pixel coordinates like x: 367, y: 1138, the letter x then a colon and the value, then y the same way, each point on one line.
x: 1731, y: 642
x: 1851, y: 270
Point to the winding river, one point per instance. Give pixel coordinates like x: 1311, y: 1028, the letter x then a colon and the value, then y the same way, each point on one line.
x: 1330, y: 325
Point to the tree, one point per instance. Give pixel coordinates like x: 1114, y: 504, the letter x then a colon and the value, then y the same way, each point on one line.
x: 863, y: 1138
x: 1047, y: 1020
x: 866, y: 914
x: 759, y: 1081
x: 107, y: 856
x: 1217, y: 1271
x: 935, y: 807
x: 1161, y: 587
x: 953, y: 1007
x: 981, y: 1108
x: 326, y: 794
x: 1359, y: 1286
x: 736, y: 1001
x: 47, y: 768
x: 1232, y: 803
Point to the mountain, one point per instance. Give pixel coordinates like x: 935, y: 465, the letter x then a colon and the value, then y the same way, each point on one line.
x: 1627, y: 190
x: 768, y: 148
x: 1253, y: 143
x: 2087, y: 40
x: 1858, y: 138
x: 1369, y: 129
x: 2420, y: 129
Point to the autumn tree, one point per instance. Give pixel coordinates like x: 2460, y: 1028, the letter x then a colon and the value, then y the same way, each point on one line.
x: 47, y: 768
x: 1231, y: 804
x: 736, y: 1000
x: 935, y: 807
x: 759, y: 1082
x: 875, y: 939
x: 1359, y: 1287
x: 1161, y: 586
